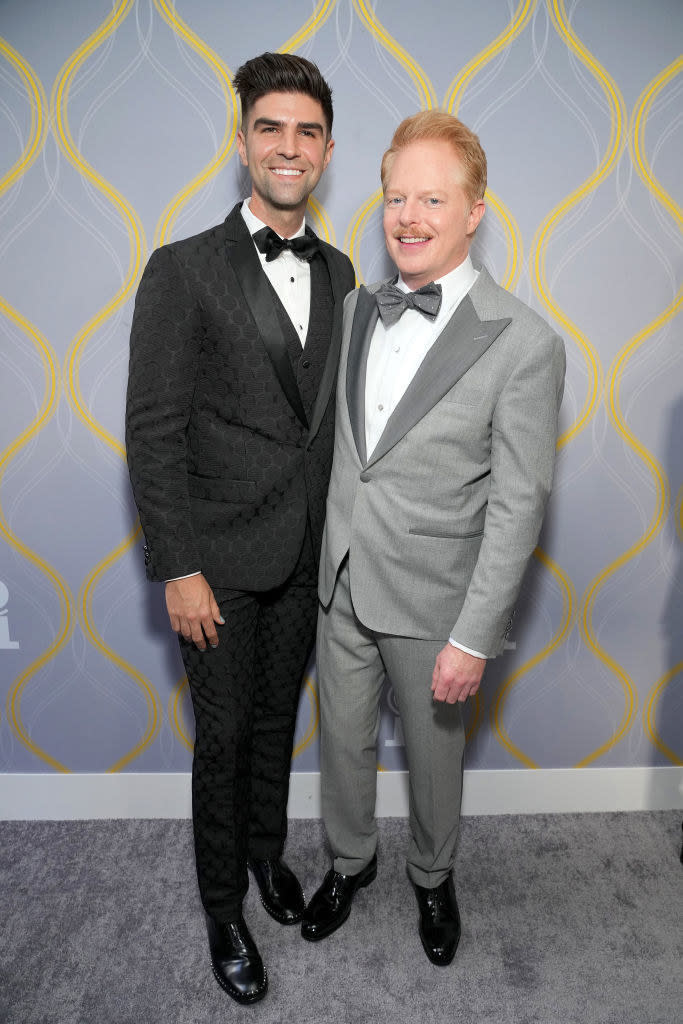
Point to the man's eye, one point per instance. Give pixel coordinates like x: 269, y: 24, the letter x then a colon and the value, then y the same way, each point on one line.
x: 433, y: 201
x: 394, y: 201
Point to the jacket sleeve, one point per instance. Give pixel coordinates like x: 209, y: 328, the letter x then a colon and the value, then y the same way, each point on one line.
x: 523, y: 441
x: 164, y: 359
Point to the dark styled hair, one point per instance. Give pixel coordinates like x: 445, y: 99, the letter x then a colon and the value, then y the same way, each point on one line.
x: 281, y: 72
x: 437, y: 124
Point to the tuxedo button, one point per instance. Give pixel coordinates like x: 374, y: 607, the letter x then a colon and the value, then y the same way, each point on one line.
x: 365, y: 477
x: 306, y: 363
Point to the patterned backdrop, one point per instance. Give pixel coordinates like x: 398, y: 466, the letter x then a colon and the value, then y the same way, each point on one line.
x: 117, y: 133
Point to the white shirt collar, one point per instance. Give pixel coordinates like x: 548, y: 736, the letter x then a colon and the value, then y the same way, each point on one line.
x: 454, y: 284
x: 254, y: 224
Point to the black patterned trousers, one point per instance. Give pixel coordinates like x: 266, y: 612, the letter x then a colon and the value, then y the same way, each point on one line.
x: 245, y: 695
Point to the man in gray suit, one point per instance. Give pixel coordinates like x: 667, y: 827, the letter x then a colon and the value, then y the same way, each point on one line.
x: 447, y: 410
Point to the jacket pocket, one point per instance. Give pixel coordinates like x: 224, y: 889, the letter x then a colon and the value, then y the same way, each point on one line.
x: 220, y: 488
x: 435, y: 531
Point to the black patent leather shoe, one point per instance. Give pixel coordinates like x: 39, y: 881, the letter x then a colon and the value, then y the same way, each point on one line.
x: 439, y: 921
x: 236, y: 962
x: 280, y: 891
x: 331, y: 904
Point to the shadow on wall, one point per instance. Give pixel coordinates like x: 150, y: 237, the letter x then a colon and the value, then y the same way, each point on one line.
x: 671, y: 689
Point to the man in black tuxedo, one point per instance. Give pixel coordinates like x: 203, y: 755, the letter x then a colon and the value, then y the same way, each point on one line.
x: 229, y: 428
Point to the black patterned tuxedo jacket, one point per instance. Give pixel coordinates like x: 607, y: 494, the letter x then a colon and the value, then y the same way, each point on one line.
x: 229, y: 423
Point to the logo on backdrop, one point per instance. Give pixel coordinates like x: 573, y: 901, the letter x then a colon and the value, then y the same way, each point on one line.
x: 5, y: 643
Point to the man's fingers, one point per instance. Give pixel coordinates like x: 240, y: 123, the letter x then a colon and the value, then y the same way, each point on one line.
x: 210, y: 631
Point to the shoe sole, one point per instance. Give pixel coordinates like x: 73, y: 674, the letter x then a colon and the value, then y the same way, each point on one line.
x: 337, y: 924
x: 240, y: 997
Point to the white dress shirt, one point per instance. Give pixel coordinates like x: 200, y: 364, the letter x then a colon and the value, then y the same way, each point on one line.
x: 396, y: 354
x: 289, y: 276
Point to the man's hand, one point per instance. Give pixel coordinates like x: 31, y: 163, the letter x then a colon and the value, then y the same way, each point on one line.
x: 456, y: 675
x: 192, y: 610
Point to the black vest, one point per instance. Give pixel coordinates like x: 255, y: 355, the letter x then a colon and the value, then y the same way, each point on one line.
x: 308, y: 362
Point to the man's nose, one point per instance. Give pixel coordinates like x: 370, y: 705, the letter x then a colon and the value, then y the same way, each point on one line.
x: 289, y: 143
x: 409, y: 212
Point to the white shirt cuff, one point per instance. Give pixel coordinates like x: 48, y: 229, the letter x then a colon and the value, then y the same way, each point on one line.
x: 185, y: 577
x: 467, y: 650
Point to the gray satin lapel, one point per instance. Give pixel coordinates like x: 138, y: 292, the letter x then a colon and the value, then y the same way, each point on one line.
x: 364, y: 320
x: 463, y: 340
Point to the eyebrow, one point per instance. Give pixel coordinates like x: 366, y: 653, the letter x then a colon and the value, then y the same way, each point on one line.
x: 269, y: 122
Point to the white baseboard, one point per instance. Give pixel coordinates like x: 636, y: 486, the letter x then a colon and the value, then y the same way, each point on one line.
x: 167, y: 795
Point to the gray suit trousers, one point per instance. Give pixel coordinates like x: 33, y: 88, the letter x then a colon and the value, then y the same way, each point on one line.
x: 353, y: 662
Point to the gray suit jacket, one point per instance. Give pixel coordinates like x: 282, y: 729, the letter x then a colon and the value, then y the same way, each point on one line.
x: 442, y: 518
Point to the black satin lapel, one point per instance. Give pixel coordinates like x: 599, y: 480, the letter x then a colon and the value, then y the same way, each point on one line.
x: 332, y: 362
x: 463, y: 340
x: 364, y: 320
x: 254, y: 284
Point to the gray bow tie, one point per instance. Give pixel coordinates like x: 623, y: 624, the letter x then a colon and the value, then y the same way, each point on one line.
x: 392, y: 302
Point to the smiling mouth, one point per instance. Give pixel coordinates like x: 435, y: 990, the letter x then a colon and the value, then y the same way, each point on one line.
x: 286, y: 172
x: 412, y: 239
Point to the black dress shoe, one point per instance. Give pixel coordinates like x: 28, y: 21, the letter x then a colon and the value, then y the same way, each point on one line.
x: 331, y: 905
x: 439, y: 921
x: 281, y: 893
x: 236, y: 962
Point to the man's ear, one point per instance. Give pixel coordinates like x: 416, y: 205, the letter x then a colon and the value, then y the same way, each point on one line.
x: 328, y: 153
x: 476, y: 213
x: 242, y: 147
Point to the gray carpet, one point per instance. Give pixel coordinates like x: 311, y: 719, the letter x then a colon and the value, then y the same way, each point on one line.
x: 571, y: 919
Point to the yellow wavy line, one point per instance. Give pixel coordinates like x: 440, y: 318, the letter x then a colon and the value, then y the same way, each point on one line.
x: 356, y: 228
x: 175, y: 713
x: 542, y: 238
x: 637, y: 133
x: 59, y: 104
x: 649, y: 714
x: 38, y: 104
x: 513, y: 240
x: 224, y: 76
x: 452, y: 100
x: 36, y: 140
x: 85, y: 598
x: 679, y: 514
x: 313, y: 721
x: 310, y: 27
x: 612, y: 403
x: 50, y: 401
x: 425, y: 89
x: 321, y: 220
x: 568, y: 613
x: 518, y: 23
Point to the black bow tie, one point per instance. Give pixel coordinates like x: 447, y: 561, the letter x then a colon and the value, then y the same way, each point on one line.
x: 392, y: 302
x: 267, y: 241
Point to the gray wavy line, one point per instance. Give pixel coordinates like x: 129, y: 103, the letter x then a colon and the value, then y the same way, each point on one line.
x: 344, y: 42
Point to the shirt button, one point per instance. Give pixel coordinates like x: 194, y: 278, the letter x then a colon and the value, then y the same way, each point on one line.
x: 397, y: 349
x: 381, y: 408
x: 292, y: 280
